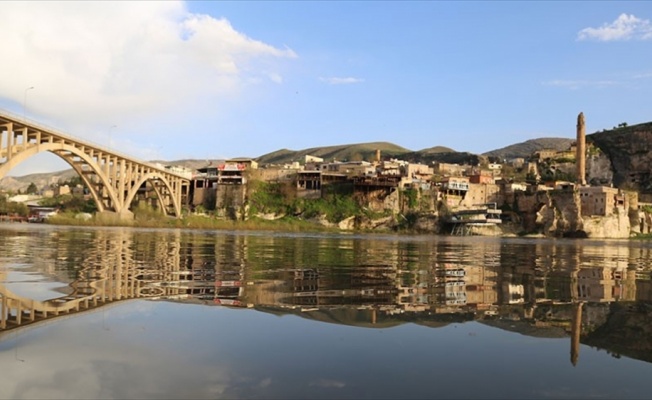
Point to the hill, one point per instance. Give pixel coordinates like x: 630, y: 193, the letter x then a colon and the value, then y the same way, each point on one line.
x: 629, y: 150
x: 436, y: 150
x: 346, y: 152
x: 525, y: 149
x: 41, y: 180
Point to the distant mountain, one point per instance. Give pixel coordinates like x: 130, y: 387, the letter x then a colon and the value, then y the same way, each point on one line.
x: 436, y: 150
x: 627, y: 147
x: 525, y: 149
x: 448, y: 157
x: 15, y: 183
x: 346, y: 152
x: 189, y: 163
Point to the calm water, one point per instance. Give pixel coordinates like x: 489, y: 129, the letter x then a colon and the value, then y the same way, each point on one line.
x: 136, y: 313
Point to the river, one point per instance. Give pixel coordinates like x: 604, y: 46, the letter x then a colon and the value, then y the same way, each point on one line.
x: 161, y: 313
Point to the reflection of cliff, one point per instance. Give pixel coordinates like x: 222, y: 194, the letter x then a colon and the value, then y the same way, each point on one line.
x: 627, y: 331
x: 528, y: 287
x: 369, y: 317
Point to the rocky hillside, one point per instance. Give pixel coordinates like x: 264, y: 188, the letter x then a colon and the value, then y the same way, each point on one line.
x: 630, y: 151
x: 16, y: 183
x: 524, y: 149
x: 346, y: 152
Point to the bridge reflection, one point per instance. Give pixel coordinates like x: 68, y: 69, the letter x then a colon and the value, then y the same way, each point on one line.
x: 545, y: 290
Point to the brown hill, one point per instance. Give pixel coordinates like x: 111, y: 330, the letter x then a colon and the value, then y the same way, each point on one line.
x: 525, y: 149
x: 346, y: 152
x: 41, y: 180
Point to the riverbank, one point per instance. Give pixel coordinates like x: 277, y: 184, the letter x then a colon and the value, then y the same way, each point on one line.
x: 291, y: 224
x: 286, y: 224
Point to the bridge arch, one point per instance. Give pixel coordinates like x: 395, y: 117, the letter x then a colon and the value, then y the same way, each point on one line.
x: 155, y: 178
x: 112, y: 178
x: 69, y: 154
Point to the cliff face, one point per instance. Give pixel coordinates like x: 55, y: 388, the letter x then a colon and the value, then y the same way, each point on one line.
x: 629, y: 149
x: 598, y: 168
x: 612, y: 226
x: 553, y: 213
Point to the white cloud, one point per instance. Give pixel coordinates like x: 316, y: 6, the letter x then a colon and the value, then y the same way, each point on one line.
x: 625, y: 27
x: 577, y: 84
x: 99, y: 63
x: 276, y: 78
x: 644, y: 75
x: 341, y: 81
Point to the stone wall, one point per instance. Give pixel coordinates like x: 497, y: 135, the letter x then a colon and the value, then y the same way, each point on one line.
x: 230, y: 200
x: 553, y: 213
x: 614, y: 226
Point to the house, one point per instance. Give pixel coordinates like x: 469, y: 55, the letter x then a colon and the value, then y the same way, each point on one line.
x: 602, y: 200
x: 481, y: 176
x: 249, y: 163
x: 309, y: 184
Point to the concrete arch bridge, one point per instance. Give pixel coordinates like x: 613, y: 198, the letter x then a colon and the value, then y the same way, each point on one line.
x: 113, y: 179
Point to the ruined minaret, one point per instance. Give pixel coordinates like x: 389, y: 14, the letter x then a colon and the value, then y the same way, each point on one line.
x: 580, y: 157
x: 576, y: 330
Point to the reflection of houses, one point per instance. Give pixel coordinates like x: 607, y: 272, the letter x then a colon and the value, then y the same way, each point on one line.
x: 603, y: 284
x: 365, y: 286
x: 450, y: 288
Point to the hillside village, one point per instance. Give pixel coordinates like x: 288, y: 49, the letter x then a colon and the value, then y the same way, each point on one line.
x: 552, y: 192
x: 558, y: 193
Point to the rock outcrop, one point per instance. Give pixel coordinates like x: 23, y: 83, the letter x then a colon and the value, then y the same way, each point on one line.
x: 629, y: 149
x: 554, y: 213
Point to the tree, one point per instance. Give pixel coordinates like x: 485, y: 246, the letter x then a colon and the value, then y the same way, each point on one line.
x: 31, y: 189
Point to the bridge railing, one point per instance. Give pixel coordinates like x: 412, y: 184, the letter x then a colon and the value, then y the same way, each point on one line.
x: 28, y: 122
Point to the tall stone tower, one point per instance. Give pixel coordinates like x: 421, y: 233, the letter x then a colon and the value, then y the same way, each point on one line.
x: 580, y: 157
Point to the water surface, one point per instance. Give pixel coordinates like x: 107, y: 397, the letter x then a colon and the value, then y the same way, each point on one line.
x: 149, y: 313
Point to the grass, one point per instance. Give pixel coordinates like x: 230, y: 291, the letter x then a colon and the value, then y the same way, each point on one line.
x: 286, y: 224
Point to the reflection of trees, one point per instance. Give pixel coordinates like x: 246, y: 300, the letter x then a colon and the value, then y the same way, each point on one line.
x: 530, y: 287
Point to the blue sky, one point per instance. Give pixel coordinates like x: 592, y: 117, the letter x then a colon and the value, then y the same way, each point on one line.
x: 219, y: 79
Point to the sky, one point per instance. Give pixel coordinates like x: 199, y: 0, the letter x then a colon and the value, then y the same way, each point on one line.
x: 178, y: 80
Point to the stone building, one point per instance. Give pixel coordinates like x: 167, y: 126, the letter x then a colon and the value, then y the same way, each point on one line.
x: 602, y: 200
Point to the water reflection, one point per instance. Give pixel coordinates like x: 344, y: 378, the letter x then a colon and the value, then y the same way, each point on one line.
x: 592, y: 292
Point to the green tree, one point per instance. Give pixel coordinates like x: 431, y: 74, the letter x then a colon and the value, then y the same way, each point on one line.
x: 31, y: 189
